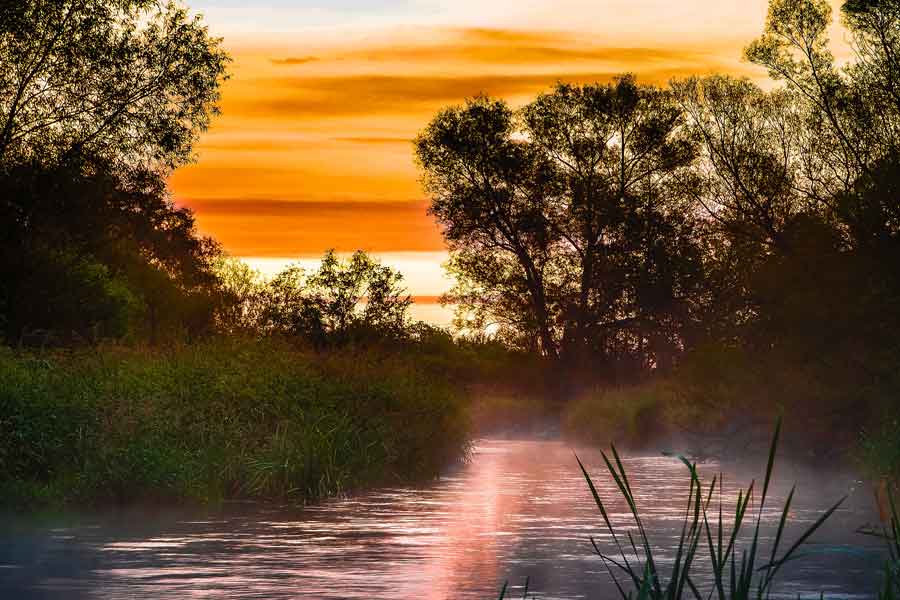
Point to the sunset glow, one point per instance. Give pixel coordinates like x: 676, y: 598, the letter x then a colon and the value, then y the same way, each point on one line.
x: 313, y: 149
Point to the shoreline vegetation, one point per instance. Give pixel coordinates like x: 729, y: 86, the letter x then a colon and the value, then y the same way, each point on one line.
x: 218, y: 420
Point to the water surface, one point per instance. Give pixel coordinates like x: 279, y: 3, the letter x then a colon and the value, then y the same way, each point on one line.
x: 517, y: 508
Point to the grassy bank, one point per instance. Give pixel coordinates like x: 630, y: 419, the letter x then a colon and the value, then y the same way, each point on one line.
x: 219, y: 419
x: 719, y: 401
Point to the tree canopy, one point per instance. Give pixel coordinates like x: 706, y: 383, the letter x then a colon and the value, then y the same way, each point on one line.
x: 564, y: 229
x: 621, y: 225
x: 134, y: 81
x: 99, y: 101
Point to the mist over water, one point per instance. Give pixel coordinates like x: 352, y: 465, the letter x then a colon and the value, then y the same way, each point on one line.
x: 518, y: 508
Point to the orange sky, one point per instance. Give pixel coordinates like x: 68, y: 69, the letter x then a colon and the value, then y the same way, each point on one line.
x: 313, y: 148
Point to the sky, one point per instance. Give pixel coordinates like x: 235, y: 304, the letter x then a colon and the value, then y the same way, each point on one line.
x: 314, y: 146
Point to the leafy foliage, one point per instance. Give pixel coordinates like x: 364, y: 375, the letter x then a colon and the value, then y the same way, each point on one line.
x: 98, y: 102
x: 342, y: 301
x: 134, y: 81
x: 565, y: 231
x: 151, y: 273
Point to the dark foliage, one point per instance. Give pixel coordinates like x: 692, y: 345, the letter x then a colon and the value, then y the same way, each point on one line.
x: 87, y: 253
x: 568, y: 231
x: 98, y: 101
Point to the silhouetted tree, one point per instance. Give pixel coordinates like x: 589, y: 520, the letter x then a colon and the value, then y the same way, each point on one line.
x: 242, y: 289
x: 133, y: 81
x: 749, y: 178
x: 119, y: 230
x: 342, y: 301
x: 98, y: 102
x: 569, y: 232
x: 492, y: 195
x: 617, y: 153
x: 851, y: 115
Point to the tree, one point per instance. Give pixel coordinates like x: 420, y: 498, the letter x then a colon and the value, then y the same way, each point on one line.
x: 340, y: 302
x: 844, y: 126
x: 617, y: 151
x: 491, y: 194
x: 99, y: 100
x: 754, y: 155
x: 852, y: 114
x: 242, y: 289
x: 61, y: 297
x: 83, y: 213
x: 794, y: 49
x: 801, y: 187
x: 567, y: 230
x: 134, y: 81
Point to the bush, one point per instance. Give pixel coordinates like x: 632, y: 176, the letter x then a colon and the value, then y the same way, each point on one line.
x: 632, y: 415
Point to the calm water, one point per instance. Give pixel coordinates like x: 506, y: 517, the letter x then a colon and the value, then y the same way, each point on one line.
x: 518, y: 508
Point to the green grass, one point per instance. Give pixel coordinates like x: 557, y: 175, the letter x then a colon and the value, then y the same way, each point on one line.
x: 631, y: 415
x: 219, y: 419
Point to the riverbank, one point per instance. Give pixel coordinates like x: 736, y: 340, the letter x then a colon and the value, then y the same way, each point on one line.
x: 722, y: 403
x: 219, y: 419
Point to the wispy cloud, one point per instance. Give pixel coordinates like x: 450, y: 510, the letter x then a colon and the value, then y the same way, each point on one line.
x: 338, y: 125
x: 374, y: 95
x: 294, y: 60
x: 282, y: 228
x: 521, y: 47
x: 384, y: 141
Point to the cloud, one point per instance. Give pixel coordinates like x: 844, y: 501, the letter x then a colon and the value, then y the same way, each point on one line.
x: 415, y: 71
x: 519, y: 47
x: 317, y: 97
x: 267, y: 207
x: 294, y: 60
x: 374, y: 141
x: 342, y: 120
x: 283, y: 228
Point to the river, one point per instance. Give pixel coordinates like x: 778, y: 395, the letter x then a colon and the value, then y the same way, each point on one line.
x: 518, y: 508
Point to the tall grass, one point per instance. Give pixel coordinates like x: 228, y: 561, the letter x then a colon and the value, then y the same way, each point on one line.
x: 740, y: 571
x: 220, y: 419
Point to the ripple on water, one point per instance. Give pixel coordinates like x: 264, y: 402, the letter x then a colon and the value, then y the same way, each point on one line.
x: 518, y: 508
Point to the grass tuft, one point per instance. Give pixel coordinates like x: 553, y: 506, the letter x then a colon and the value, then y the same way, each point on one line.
x: 739, y: 573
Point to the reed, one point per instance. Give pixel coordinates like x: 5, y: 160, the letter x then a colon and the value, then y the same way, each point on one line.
x: 741, y: 571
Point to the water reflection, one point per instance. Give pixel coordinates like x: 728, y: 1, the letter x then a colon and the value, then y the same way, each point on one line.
x: 518, y: 508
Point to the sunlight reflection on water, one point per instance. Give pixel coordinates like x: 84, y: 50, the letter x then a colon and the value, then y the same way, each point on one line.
x: 518, y: 508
